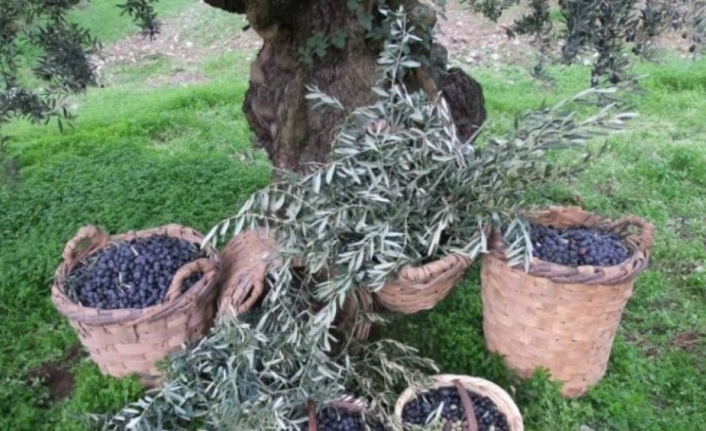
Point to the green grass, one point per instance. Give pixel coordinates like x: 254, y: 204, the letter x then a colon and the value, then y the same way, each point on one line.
x: 105, y: 22
x: 140, y: 158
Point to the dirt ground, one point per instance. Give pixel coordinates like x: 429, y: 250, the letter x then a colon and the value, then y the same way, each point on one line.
x: 56, y: 376
x: 469, y: 38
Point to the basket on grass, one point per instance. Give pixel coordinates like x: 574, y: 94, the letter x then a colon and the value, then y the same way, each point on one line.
x: 246, y: 260
x: 418, y: 288
x: 559, y: 317
x: 131, y: 341
x: 502, y: 400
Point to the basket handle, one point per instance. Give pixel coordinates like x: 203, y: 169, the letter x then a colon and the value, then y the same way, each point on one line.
x: 96, y: 237
x: 313, y: 424
x: 204, y: 265
x: 238, y: 293
x: 472, y: 422
x: 642, y: 240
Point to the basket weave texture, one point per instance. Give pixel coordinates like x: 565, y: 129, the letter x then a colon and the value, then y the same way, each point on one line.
x: 486, y: 388
x: 418, y: 288
x: 123, y: 342
x: 557, y: 317
x: 246, y: 260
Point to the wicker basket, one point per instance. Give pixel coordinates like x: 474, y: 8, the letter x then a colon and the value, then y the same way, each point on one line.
x: 558, y: 317
x: 347, y: 403
x: 502, y: 399
x: 246, y: 260
x: 362, y: 328
x: 131, y: 341
x: 418, y: 288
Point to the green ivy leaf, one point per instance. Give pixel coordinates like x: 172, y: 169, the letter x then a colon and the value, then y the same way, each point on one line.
x: 365, y: 20
x: 339, y: 39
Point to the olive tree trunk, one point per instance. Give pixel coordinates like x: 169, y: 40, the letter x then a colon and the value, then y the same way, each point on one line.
x: 292, y: 134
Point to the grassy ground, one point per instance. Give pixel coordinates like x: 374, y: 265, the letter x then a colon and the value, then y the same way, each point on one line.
x: 145, y: 157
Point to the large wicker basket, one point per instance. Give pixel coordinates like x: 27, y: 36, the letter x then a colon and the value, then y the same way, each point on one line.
x: 418, y: 288
x: 498, y: 395
x: 131, y: 341
x: 557, y: 317
x: 247, y: 258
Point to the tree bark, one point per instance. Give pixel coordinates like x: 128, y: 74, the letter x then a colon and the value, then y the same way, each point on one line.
x: 285, y: 126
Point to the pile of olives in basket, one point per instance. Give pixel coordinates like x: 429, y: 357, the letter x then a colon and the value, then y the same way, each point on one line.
x: 420, y: 410
x: 132, y: 274
x: 577, y: 246
x: 337, y: 419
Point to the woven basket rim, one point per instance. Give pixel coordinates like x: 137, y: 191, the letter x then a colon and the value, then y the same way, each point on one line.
x: 498, y: 395
x: 131, y: 316
x: 408, y: 295
x: 420, y: 276
x: 639, y: 245
x: 346, y: 402
x: 350, y: 403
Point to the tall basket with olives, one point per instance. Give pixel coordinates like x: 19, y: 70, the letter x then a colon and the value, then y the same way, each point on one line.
x: 563, y: 312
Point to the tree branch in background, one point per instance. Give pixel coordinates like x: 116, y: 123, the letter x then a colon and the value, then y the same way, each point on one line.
x: 34, y: 87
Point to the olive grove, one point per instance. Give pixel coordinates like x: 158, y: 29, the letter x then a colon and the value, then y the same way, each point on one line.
x: 333, y: 46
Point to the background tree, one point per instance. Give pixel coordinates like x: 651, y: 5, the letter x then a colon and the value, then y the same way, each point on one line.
x: 332, y: 45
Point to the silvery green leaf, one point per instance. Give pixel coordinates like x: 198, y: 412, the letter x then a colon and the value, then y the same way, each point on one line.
x: 224, y: 227
x: 379, y: 91
x: 329, y: 173
x: 210, y: 237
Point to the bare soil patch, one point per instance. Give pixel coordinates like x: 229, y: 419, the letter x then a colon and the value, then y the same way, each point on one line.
x: 180, y: 42
x: 473, y: 39
x: 177, y: 77
x: 56, y: 376
x: 686, y: 341
x: 470, y: 39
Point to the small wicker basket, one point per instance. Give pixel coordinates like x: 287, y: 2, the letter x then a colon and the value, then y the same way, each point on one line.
x: 418, y: 288
x: 247, y: 258
x: 131, y: 341
x: 498, y: 395
x: 558, y: 317
x: 348, y: 403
